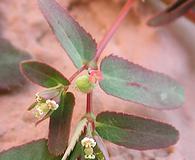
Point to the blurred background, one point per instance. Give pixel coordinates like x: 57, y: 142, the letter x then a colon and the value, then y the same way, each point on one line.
x: 167, y: 48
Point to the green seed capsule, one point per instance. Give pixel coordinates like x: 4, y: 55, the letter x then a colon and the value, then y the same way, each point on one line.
x: 84, y: 85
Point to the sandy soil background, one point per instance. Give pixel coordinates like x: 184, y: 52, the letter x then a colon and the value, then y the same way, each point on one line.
x: 167, y: 49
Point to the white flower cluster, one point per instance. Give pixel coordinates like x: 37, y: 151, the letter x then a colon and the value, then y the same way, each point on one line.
x: 52, y: 105
x: 88, y: 144
x: 44, y: 106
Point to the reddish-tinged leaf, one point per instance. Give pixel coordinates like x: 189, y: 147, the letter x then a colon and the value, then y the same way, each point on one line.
x: 176, y: 10
x: 132, y: 82
x: 78, y: 44
x: 10, y: 58
x: 59, y: 126
x: 36, y: 150
x: 43, y: 74
x: 135, y: 132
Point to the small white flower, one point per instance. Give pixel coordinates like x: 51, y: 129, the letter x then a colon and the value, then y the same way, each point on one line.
x: 43, y: 107
x: 38, y: 113
x: 88, y: 142
x: 40, y: 110
x: 38, y: 98
x: 92, y: 156
x: 52, y: 104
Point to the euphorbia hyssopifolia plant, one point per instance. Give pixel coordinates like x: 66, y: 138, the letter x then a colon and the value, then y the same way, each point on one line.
x: 116, y: 76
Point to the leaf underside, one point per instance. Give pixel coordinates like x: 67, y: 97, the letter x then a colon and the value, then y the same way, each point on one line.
x: 75, y: 138
x: 132, y: 82
x: 101, y: 150
x: 10, y: 57
x: 78, y: 44
x: 36, y: 150
x: 77, y: 151
x: 177, y: 9
x: 43, y: 74
x: 135, y: 132
x: 59, y: 126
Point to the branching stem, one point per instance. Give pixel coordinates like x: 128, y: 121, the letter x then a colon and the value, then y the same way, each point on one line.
x: 77, y: 73
x: 105, y: 41
x: 113, y: 29
x: 107, y: 36
x: 102, y: 46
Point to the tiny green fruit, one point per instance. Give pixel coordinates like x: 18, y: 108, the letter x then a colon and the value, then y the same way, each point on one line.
x: 84, y: 84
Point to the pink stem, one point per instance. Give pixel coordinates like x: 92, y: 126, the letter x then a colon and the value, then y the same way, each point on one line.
x: 105, y: 41
x: 113, y: 29
x: 77, y: 73
x: 89, y: 98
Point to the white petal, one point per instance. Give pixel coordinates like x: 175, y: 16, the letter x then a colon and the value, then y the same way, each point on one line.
x: 84, y: 140
x: 91, y: 156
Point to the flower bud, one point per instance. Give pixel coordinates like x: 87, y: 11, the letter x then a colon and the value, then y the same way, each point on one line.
x: 84, y: 84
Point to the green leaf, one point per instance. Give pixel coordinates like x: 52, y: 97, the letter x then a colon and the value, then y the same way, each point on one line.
x: 36, y: 150
x: 78, y: 131
x: 78, y: 44
x: 132, y: 82
x: 59, y: 126
x: 76, y: 152
x: 43, y: 74
x: 135, y: 132
x: 10, y: 57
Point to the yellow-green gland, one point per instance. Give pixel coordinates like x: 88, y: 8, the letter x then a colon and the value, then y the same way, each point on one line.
x: 88, y: 151
x: 84, y: 85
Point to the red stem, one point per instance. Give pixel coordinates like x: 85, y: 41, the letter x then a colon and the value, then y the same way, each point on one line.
x: 107, y: 36
x: 113, y: 29
x: 105, y: 41
x: 77, y: 73
x: 89, y: 98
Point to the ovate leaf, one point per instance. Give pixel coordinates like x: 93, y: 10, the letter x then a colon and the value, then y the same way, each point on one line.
x: 135, y: 132
x: 10, y: 58
x: 59, y: 126
x: 43, y: 74
x: 78, y: 44
x: 132, y: 82
x: 174, y: 11
x: 36, y: 150
x: 75, y: 137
